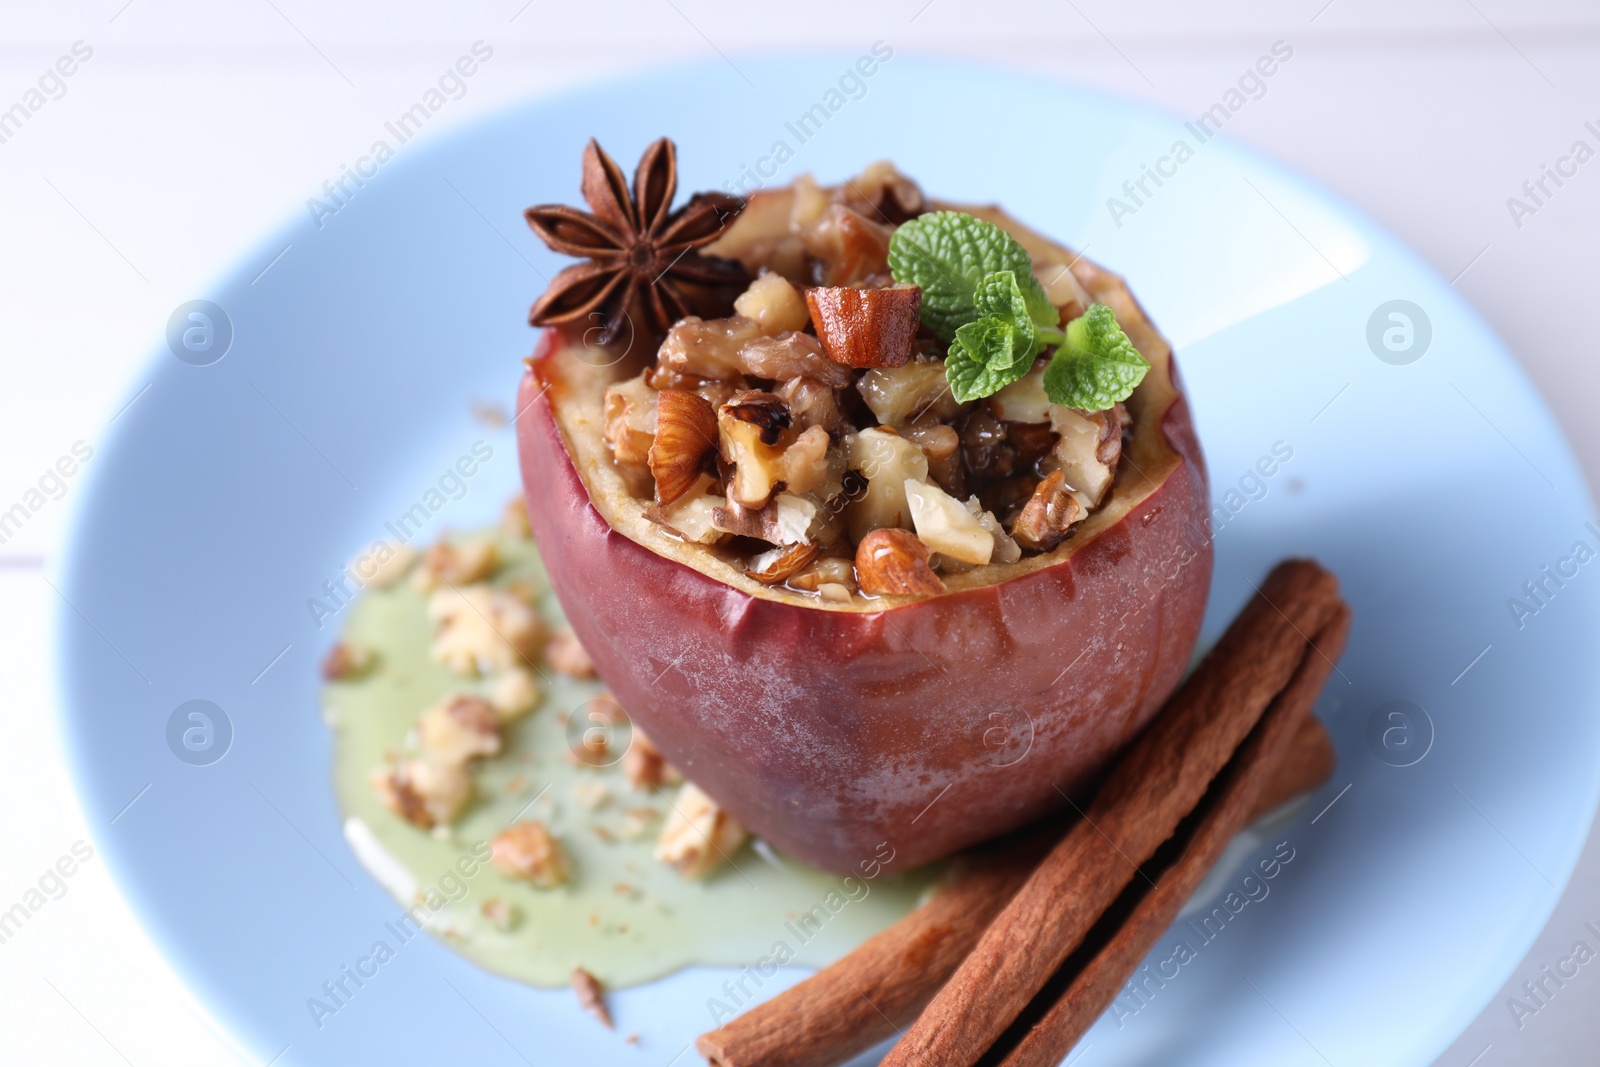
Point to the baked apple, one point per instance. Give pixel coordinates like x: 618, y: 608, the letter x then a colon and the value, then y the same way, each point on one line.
x: 893, y: 549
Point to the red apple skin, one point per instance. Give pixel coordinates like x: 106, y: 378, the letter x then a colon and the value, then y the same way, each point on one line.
x: 900, y: 736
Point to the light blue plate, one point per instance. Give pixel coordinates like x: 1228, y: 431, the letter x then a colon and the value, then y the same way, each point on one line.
x: 1434, y: 486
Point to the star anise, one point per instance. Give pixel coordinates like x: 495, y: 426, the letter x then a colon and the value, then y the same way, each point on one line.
x: 639, y: 255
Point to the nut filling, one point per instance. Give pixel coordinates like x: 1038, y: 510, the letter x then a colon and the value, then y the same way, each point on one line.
x: 813, y: 438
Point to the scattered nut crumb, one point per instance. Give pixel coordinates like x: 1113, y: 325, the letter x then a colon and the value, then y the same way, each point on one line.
x: 458, y: 729
x: 383, y: 564
x: 526, y: 850
x: 592, y: 750
x: 603, y: 834
x: 514, y: 693
x: 644, y: 764
x: 698, y: 835
x: 501, y: 914
x: 632, y: 1039
x: 636, y: 823
x: 423, y: 793
x: 346, y: 661
x: 514, y: 520
x: 591, y: 796
x: 566, y: 655
x: 489, y: 414
x: 469, y: 560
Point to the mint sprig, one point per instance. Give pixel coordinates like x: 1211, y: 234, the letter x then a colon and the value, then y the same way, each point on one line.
x: 996, y: 348
x: 979, y: 294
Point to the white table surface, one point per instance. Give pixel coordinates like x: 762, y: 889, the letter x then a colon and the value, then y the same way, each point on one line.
x: 195, y: 128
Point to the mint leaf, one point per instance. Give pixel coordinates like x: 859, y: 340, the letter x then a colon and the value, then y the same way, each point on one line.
x: 988, y: 355
x: 946, y: 254
x: 995, y: 350
x: 1095, y: 366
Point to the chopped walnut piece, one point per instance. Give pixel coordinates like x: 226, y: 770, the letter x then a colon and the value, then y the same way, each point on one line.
x: 804, y: 464
x: 513, y: 692
x: 458, y: 729
x: 750, y: 427
x: 527, y: 851
x: 591, y: 996
x: 630, y: 421
x: 1045, y: 519
x: 942, y: 445
x: 346, y: 661
x: 708, y: 348
x: 894, y: 562
x: 482, y: 630
x: 810, y: 403
x: 423, y: 793
x: 644, y: 764
x: 469, y: 560
x: 882, y: 192
x: 566, y: 655
x: 792, y: 355
x: 945, y: 525
x: 774, y: 304
x: 1087, y: 451
x: 698, y: 835
x: 514, y: 520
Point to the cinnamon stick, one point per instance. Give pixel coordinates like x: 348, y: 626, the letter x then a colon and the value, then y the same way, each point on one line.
x: 1148, y: 793
x: 882, y: 985
x: 1057, y: 1026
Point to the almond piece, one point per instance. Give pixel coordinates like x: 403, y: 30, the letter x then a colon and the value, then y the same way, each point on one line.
x: 1048, y: 514
x: 866, y: 327
x: 777, y: 564
x: 894, y: 562
x: 686, y: 432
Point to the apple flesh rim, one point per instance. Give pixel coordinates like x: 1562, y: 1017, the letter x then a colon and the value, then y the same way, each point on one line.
x: 839, y: 732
